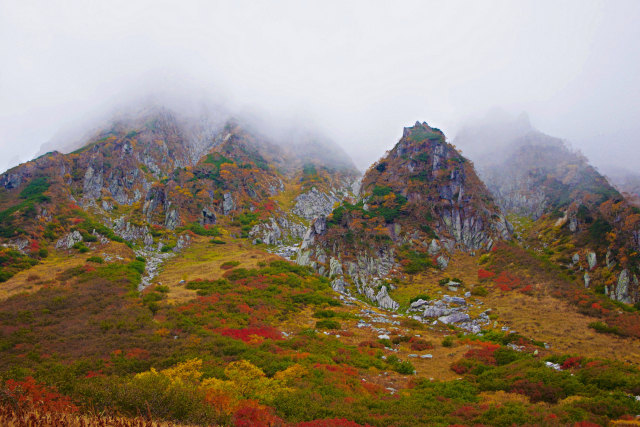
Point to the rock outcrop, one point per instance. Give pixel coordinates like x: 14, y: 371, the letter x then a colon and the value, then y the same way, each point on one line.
x: 423, y: 195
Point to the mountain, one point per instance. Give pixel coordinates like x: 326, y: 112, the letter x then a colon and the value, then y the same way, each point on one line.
x: 578, y: 216
x: 416, y: 206
x: 188, y: 268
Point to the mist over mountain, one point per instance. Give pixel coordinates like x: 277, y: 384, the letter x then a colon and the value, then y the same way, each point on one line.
x: 300, y: 214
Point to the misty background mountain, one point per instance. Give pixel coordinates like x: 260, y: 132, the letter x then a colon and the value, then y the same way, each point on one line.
x: 358, y: 71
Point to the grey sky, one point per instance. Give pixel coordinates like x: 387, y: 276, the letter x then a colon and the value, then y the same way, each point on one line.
x: 360, y: 71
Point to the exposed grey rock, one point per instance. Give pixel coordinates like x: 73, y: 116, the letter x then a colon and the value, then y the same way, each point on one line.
x: 417, y: 304
x: 269, y: 232
x: 455, y: 317
x: 335, y: 267
x: 154, y: 260
x: 314, y: 203
x: 385, y: 301
x: 208, y: 216
x: 69, y: 240
x: 148, y: 240
x: 128, y: 231
x: 442, y: 261
x: 92, y: 186
x: 318, y: 227
x: 184, y: 240
x: 339, y: 285
x: 434, y: 247
x: 11, y: 180
x: 621, y: 292
x: 591, y: 260
x: 107, y: 206
x: 576, y: 258
x: 172, y: 219
x: 573, y: 223
x: 610, y: 260
x: 227, y: 203
x: 436, y: 311
x: 587, y: 280
x: 454, y: 300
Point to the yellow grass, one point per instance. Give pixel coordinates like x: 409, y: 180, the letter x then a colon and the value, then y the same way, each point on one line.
x: 45, y: 273
x: 202, y: 260
x: 436, y: 368
x: 35, y: 418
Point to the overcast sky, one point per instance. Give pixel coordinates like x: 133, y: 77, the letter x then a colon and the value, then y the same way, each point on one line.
x: 360, y: 71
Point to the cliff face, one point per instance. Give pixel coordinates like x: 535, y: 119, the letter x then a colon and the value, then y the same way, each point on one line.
x: 151, y: 177
x: 417, y: 205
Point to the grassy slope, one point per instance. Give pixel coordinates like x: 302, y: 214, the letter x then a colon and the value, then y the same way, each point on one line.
x: 121, y: 337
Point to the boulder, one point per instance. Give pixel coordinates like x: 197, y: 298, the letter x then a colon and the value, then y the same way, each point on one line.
x: 385, y: 301
x: 591, y: 260
x: 442, y: 261
x: 69, y: 240
x: 208, y: 216
x: 335, y: 267
x: 455, y: 317
x: 621, y: 293
x: 172, y: 219
x: 227, y: 203
x: 339, y: 285
x: 587, y: 280
x: 434, y: 247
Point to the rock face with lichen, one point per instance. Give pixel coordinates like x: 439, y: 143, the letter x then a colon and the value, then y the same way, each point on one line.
x: 423, y: 198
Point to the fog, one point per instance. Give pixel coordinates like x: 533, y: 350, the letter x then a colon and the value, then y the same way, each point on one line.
x: 358, y: 71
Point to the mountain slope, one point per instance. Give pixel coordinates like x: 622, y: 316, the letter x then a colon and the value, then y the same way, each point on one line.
x: 417, y: 205
x: 579, y: 219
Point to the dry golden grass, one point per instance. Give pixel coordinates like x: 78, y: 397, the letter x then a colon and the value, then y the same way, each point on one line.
x: 35, y: 418
x: 500, y: 397
x: 558, y: 323
x: 202, y: 260
x: 540, y: 317
x: 436, y: 368
x: 45, y: 273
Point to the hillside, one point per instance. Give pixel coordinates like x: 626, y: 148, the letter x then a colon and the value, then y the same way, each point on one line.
x: 417, y: 206
x: 567, y: 210
x: 147, y: 276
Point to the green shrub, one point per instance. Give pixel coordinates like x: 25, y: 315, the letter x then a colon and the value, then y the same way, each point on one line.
x: 479, y: 291
x: 96, y: 259
x: 603, y: 328
x: 324, y: 314
x: 327, y: 324
x: 447, y: 341
x: 229, y: 264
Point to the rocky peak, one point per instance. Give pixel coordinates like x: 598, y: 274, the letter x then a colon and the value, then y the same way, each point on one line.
x: 423, y: 199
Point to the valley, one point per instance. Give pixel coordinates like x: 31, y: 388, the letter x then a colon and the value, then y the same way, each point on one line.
x: 150, y: 277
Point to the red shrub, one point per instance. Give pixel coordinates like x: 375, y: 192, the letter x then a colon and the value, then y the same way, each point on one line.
x: 252, y: 414
x: 250, y: 333
x: 138, y: 353
x: 371, y: 344
x: 485, y: 274
x: 29, y: 394
x: 459, y: 368
x: 418, y: 344
x: 537, y: 391
x: 466, y: 412
x: 572, y: 362
x: 333, y: 422
x: 483, y: 355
